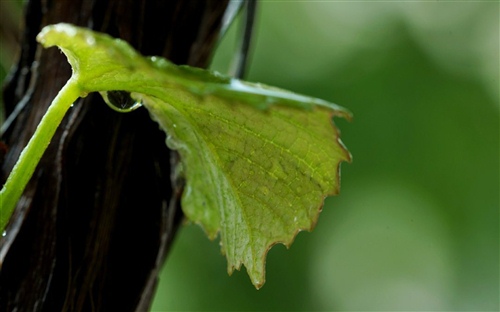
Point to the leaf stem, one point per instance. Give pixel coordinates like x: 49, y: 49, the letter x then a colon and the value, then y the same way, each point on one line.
x: 31, y: 154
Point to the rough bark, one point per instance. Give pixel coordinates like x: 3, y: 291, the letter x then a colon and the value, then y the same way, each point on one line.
x: 96, y: 220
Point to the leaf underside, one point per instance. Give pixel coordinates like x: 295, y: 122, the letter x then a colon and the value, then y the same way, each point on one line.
x: 258, y: 161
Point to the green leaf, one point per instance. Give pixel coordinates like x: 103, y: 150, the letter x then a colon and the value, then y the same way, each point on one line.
x: 258, y: 161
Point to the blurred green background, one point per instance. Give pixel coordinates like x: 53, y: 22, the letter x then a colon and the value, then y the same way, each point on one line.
x: 416, y: 225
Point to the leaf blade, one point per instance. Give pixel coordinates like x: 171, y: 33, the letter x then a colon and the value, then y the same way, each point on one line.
x: 246, y: 204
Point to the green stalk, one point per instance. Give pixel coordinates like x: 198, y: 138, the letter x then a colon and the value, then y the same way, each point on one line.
x: 30, y: 156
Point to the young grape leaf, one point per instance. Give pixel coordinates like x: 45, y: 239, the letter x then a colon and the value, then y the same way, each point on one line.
x: 258, y: 161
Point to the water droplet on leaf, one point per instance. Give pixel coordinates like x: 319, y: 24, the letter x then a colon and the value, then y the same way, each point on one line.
x: 90, y: 40
x: 264, y: 190
x: 278, y: 171
x: 120, y: 101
